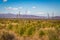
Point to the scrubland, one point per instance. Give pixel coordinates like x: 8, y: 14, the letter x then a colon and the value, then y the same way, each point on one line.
x: 29, y: 29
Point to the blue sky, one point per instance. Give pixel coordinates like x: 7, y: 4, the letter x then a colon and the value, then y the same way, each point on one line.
x: 31, y: 7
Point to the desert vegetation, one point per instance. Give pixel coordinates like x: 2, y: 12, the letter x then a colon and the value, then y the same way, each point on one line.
x: 29, y: 29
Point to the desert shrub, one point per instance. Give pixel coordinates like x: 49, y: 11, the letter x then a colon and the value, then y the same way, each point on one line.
x: 58, y: 30
x: 9, y: 26
x: 41, y: 33
x: 21, y: 31
x: 38, y: 26
x: 15, y: 21
x: 6, y: 36
x: 2, y: 26
x: 30, y: 31
x: 52, y: 35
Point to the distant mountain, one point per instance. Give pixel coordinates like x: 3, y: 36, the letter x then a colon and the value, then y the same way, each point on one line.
x: 20, y: 16
x: 56, y: 17
x: 7, y: 16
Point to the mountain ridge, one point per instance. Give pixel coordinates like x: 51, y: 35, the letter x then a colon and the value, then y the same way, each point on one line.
x: 19, y: 16
x: 9, y: 15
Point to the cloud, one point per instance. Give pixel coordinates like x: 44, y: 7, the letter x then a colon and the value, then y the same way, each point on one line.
x: 20, y: 7
x: 14, y: 8
x: 8, y: 8
x: 40, y: 12
x: 28, y: 11
x: 34, y: 7
x: 5, y: 0
x: 11, y: 8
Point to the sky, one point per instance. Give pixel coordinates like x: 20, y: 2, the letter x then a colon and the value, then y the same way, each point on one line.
x: 31, y: 7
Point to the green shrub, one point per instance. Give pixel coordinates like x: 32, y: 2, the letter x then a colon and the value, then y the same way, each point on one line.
x: 41, y: 33
x: 30, y: 31
x: 9, y: 26
x: 21, y: 31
